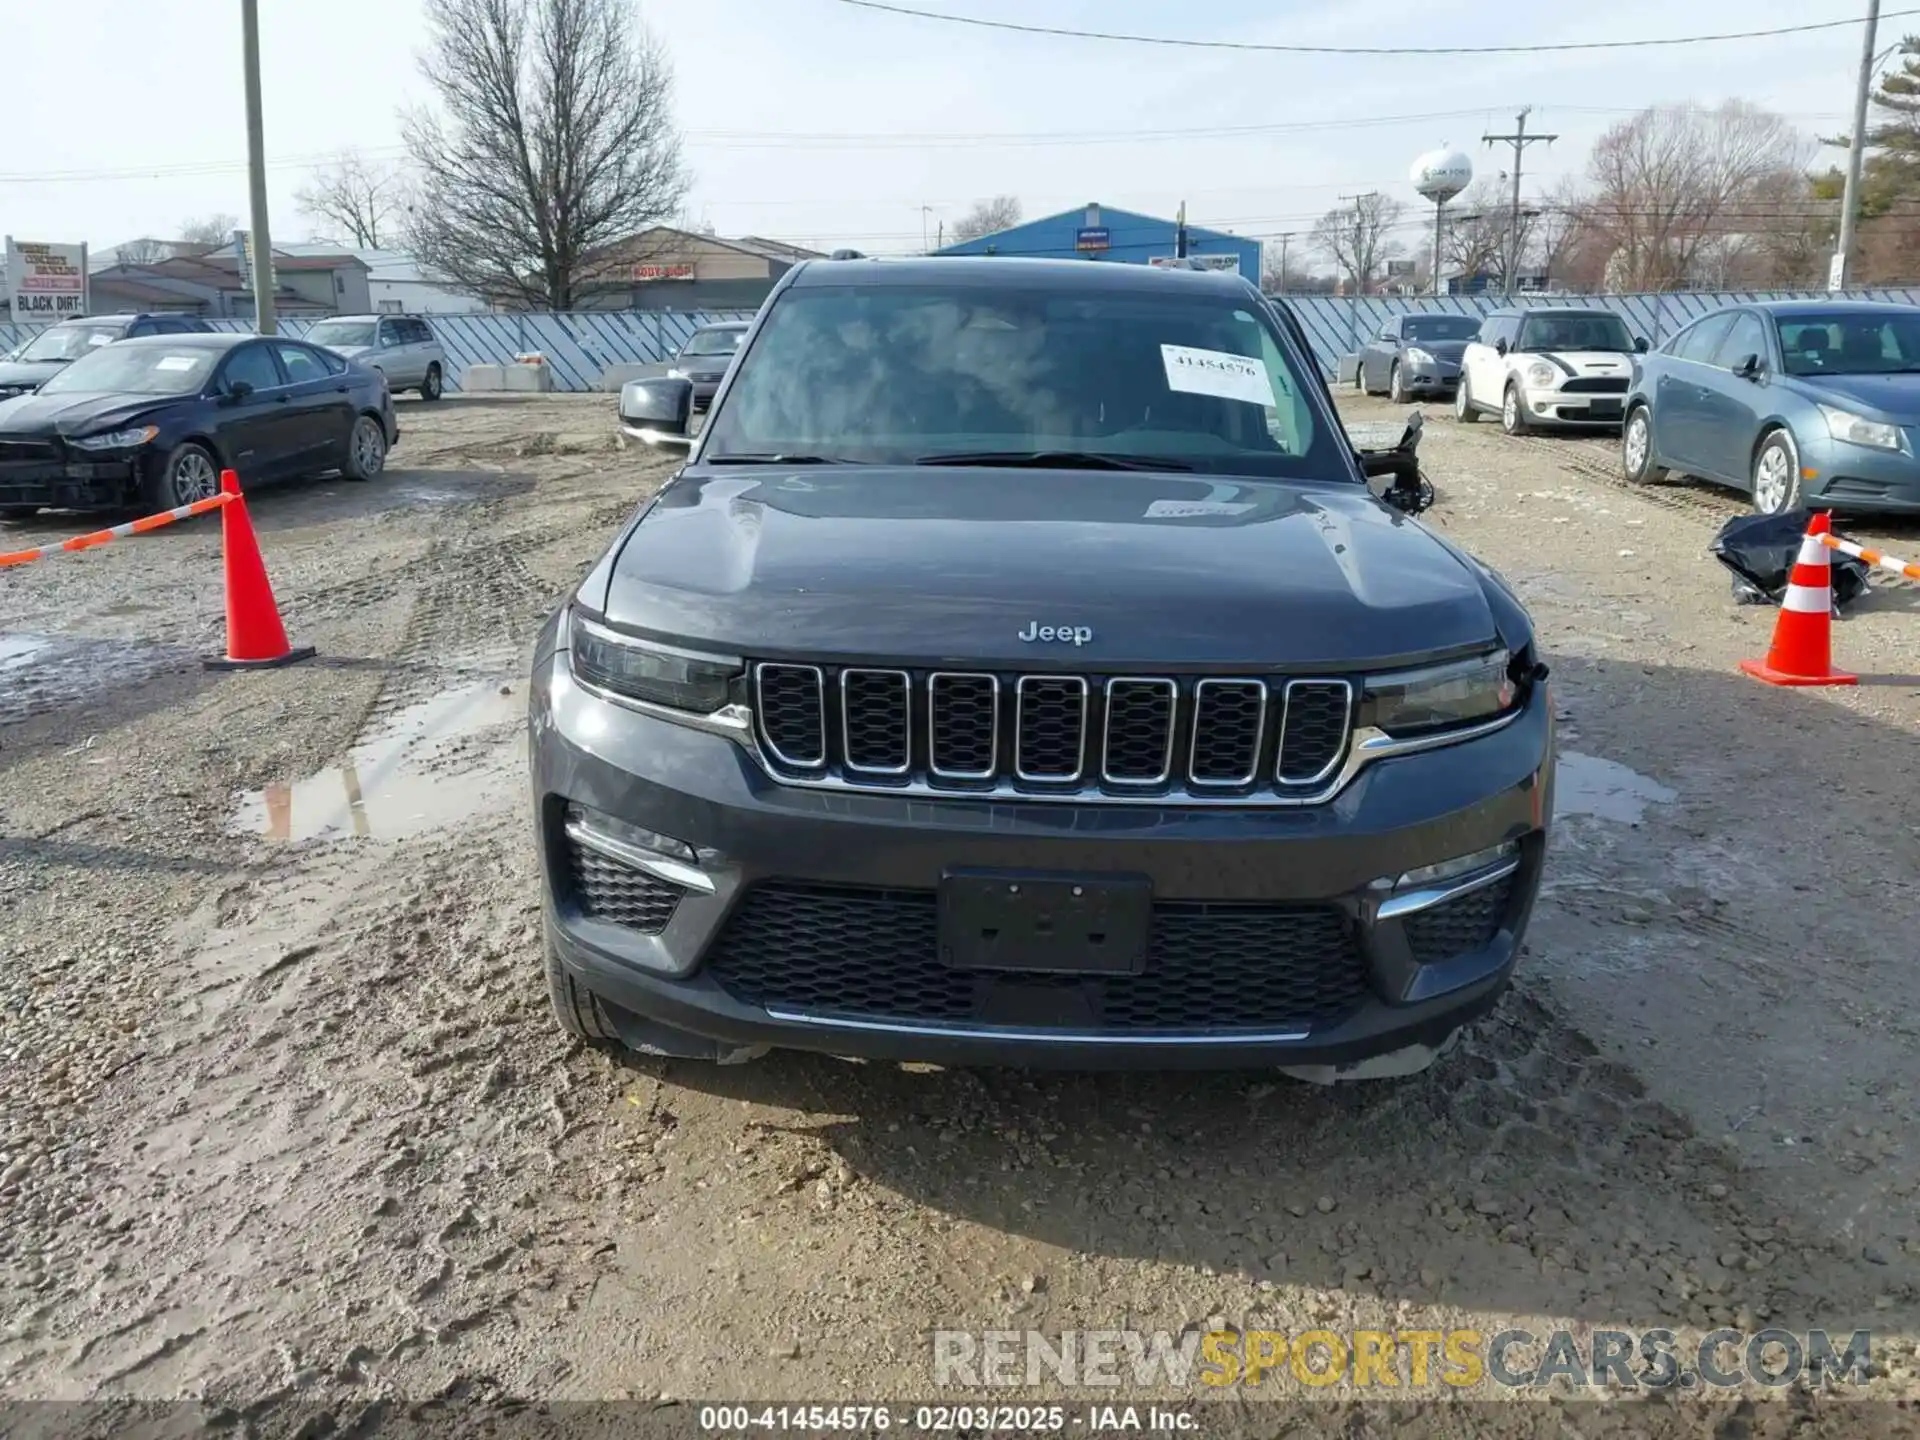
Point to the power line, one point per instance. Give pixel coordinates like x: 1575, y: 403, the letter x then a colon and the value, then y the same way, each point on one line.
x: 1284, y: 49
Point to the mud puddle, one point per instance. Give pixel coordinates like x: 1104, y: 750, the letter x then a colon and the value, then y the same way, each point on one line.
x: 1604, y: 789
x: 18, y: 651
x: 420, y: 770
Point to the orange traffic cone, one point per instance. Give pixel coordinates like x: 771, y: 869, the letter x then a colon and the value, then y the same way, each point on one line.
x: 1802, y: 652
x: 255, y: 636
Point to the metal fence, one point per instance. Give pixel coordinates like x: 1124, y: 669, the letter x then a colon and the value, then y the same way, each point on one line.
x: 579, y: 344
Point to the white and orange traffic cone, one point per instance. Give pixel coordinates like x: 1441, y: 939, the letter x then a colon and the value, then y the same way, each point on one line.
x: 1802, y: 651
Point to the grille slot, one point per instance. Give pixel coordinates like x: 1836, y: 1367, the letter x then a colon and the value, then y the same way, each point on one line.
x: 1460, y: 925
x: 618, y: 894
x: 1595, y: 385
x: 793, y: 714
x: 963, y: 726
x: 1313, y: 730
x: 1051, y: 741
x: 1229, y: 719
x: 873, y: 954
x: 876, y: 721
x: 1139, y: 735
x: 970, y: 732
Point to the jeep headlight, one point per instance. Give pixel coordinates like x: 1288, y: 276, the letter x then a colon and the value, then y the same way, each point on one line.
x: 1438, y: 697
x: 647, y: 670
x: 1858, y: 430
x: 1540, y: 374
x: 117, y: 439
x: 1417, y: 356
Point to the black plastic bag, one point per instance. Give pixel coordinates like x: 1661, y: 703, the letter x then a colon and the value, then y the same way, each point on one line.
x: 1760, y: 551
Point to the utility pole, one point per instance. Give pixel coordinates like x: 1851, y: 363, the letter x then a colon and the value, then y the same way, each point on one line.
x: 1850, y: 198
x: 1519, y: 140
x: 1180, y: 234
x: 1284, y: 237
x: 260, y: 242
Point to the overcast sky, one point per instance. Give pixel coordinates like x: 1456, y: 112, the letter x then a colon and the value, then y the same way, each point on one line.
x: 128, y: 115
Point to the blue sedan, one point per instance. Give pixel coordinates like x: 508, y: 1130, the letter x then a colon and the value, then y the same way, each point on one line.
x: 1801, y: 402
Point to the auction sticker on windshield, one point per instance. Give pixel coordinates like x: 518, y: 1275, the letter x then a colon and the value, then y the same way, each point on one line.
x: 1217, y: 372
x: 176, y: 362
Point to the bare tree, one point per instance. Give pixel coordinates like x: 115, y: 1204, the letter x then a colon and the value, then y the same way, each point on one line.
x: 143, y: 251
x: 352, y: 201
x: 1478, y: 233
x: 987, y: 217
x: 1668, y: 188
x: 210, y: 230
x: 1357, y: 238
x: 553, y: 143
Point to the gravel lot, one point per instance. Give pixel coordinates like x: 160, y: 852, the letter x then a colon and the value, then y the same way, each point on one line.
x: 286, y: 1130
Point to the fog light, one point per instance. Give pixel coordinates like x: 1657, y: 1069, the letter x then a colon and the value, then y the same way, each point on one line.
x: 1445, y: 870
x: 634, y: 835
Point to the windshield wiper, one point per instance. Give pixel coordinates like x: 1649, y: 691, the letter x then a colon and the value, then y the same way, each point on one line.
x: 1054, y: 460
x: 747, y: 457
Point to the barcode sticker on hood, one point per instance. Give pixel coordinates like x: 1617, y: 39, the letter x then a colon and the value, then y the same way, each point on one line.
x: 1217, y: 372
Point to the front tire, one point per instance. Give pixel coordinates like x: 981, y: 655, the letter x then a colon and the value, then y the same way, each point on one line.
x: 430, y: 387
x: 1776, y: 474
x: 1360, y: 379
x: 1513, y: 412
x: 190, y: 472
x: 366, y: 450
x: 1463, y: 406
x: 1396, y: 385
x: 577, y: 1009
x: 1636, y: 449
x: 18, y: 512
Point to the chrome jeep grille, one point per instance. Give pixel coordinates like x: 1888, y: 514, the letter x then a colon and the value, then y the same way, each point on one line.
x: 967, y: 732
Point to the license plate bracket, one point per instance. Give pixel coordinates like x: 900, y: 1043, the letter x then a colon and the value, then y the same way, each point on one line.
x: 1045, y: 923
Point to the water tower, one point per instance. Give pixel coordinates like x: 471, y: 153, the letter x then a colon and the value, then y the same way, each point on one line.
x: 1440, y: 175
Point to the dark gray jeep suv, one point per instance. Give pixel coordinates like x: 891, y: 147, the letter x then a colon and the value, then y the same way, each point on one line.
x: 1022, y: 670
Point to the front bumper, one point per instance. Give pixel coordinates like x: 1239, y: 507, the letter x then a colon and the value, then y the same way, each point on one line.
x: 757, y: 841
x: 1860, y: 479
x: 1582, y: 408
x: 1432, y: 379
x: 72, y: 484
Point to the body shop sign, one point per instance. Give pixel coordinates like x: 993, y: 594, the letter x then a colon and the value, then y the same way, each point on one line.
x: 46, y: 282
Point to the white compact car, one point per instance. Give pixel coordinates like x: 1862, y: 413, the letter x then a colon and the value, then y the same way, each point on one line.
x: 1542, y: 369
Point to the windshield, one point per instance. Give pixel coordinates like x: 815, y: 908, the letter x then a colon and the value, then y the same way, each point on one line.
x: 1843, y: 343
x: 136, y: 370
x: 1598, y: 331
x: 342, y: 332
x: 897, y: 374
x: 1440, y: 327
x: 714, y: 342
x: 68, y: 342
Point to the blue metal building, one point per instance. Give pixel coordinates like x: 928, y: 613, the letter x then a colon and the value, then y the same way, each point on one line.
x: 1100, y: 232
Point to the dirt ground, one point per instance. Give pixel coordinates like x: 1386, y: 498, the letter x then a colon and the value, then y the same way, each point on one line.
x: 287, y: 1132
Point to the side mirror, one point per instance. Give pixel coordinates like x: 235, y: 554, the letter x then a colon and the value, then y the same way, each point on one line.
x: 238, y: 391
x: 1748, y: 368
x: 1500, y: 345
x: 1640, y: 344
x: 1408, y: 491
x: 657, y: 412
x: 1410, y: 437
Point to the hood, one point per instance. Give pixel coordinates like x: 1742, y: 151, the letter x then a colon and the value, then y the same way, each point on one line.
x: 1582, y: 362
x: 1892, y: 397
x: 950, y: 565
x: 349, y: 352
x: 1449, y: 350
x: 76, y: 414
x: 29, y: 372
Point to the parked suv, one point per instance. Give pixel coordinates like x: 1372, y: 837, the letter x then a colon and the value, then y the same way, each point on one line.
x: 401, y: 347
x: 27, y: 366
x: 1547, y: 368
x: 1021, y: 669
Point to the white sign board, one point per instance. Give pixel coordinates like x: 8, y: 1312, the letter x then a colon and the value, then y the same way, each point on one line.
x: 46, y: 282
x: 1837, y: 272
x: 1216, y: 372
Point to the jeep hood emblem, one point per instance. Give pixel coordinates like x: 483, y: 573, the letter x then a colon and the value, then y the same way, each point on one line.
x: 1071, y: 634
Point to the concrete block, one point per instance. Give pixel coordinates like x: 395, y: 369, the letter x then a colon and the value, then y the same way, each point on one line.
x: 616, y: 375
x: 483, y: 377
x: 536, y: 378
